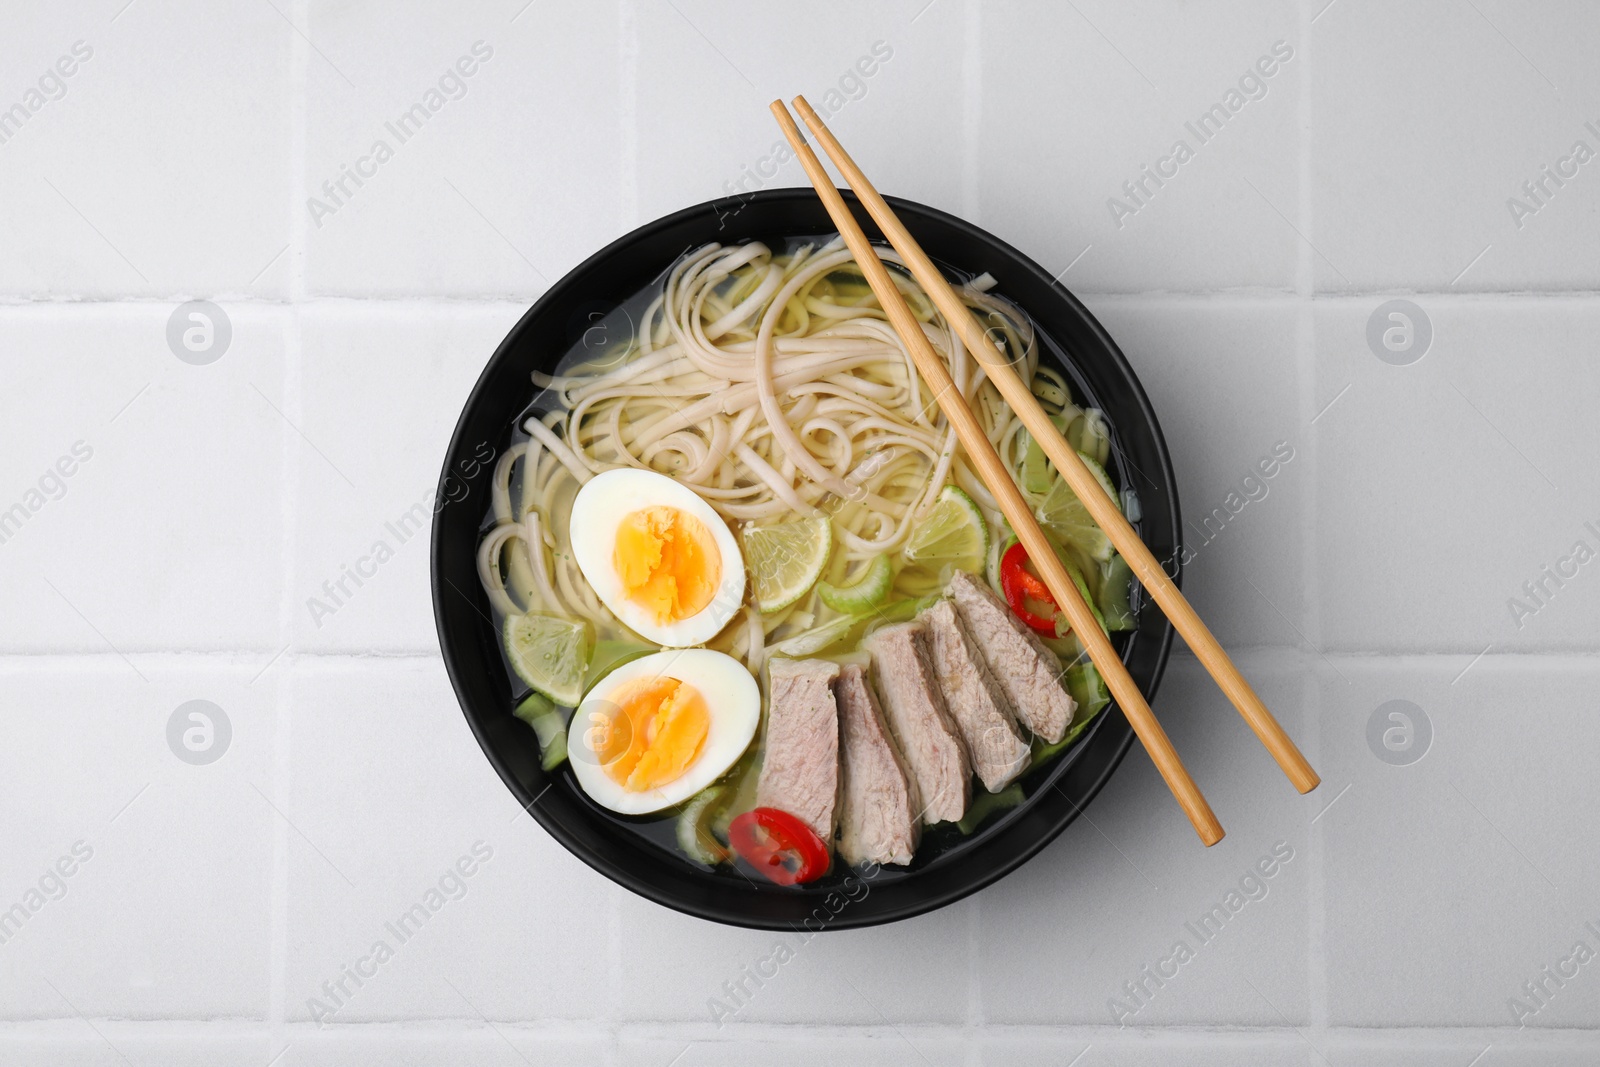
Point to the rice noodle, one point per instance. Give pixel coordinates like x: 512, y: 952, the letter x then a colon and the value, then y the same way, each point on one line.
x: 772, y: 386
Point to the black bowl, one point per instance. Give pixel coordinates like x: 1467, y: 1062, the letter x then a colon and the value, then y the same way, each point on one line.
x: 1056, y: 792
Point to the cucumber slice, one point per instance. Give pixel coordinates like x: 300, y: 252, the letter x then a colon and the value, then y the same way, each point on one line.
x: 549, y: 726
x: 986, y: 804
x: 810, y: 642
x: 1096, y: 437
x: 1037, y: 472
x: 1088, y: 598
x: 997, y: 549
x: 1089, y: 690
x: 742, y: 783
x: 548, y: 653
x: 902, y: 610
x: 1116, y: 586
x: 694, y: 830
x: 851, y: 628
x: 868, y: 592
x: 610, y: 654
x: 1075, y: 572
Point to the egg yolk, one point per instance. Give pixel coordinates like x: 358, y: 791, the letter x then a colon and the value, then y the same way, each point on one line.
x: 654, y: 735
x: 668, y: 562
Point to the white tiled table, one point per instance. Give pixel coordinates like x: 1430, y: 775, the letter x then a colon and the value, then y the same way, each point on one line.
x: 175, y: 563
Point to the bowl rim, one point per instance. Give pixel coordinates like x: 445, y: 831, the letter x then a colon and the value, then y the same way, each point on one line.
x: 928, y: 900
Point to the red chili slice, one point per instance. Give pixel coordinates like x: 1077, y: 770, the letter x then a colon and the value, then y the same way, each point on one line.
x: 1021, y: 586
x: 778, y: 845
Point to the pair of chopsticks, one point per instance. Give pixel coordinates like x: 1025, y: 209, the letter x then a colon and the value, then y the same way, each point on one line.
x: 1101, y: 507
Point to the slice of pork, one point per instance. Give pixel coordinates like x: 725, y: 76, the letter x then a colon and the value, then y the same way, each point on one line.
x: 1029, y: 673
x: 878, y: 823
x: 917, y: 715
x: 977, y: 704
x: 800, y: 766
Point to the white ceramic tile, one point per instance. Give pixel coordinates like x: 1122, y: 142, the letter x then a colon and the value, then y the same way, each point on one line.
x: 911, y: 972
x: 1060, y: 937
x: 1460, y: 117
x: 1446, y: 485
x: 1059, y: 137
x: 1225, y: 385
x: 711, y: 72
x: 515, y: 173
x: 168, y: 532
x: 381, y: 389
x: 690, y: 93
x: 1471, y: 852
x: 907, y: 124
x: 176, y: 560
x: 77, y: 1043
x: 142, y: 880
x: 389, y: 793
x: 160, y: 165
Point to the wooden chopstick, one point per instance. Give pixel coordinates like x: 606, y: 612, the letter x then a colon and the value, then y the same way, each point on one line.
x: 1101, y: 507
x: 994, y: 474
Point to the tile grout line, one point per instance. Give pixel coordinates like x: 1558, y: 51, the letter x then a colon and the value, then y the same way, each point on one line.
x: 613, y: 1020
x: 1310, y: 689
x: 282, y: 748
x: 628, y: 111
x: 971, y: 109
x: 975, y: 1016
x: 1316, y: 895
x: 1234, y: 1035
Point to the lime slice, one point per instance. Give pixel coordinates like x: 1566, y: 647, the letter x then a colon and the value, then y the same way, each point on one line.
x: 1064, y: 515
x: 550, y: 654
x: 953, y: 532
x: 868, y: 592
x: 787, y: 559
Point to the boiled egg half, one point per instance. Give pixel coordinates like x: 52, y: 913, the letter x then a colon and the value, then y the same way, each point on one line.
x: 658, y: 730
x: 657, y: 555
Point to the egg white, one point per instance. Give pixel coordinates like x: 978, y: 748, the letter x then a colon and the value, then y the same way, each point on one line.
x: 732, y: 699
x: 597, y: 513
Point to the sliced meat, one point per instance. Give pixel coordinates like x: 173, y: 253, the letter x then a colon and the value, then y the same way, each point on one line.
x: 878, y: 822
x: 800, y: 766
x: 916, y: 713
x: 977, y: 704
x: 1029, y: 673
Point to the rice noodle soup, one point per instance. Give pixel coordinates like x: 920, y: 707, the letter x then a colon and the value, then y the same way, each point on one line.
x: 742, y: 462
